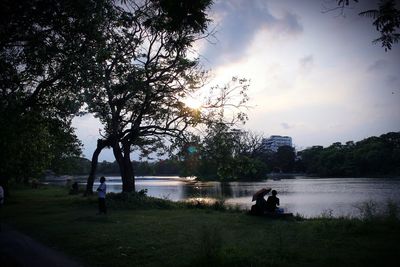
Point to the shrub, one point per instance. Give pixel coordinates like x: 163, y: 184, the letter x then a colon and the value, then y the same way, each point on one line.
x: 367, y: 210
x: 137, y: 200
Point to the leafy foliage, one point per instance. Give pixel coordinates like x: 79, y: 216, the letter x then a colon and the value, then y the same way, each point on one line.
x: 44, y: 55
x: 32, y: 143
x: 144, y: 72
x: 386, y: 20
x: 45, y: 61
x: 369, y: 157
x: 147, y: 69
x: 226, y: 153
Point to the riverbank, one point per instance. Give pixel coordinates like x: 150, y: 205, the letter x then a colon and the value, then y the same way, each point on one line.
x: 178, y: 235
x: 308, y: 197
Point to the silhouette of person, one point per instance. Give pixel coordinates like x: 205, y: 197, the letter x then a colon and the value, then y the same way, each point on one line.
x: 101, y: 191
x: 261, y: 203
x: 272, y: 203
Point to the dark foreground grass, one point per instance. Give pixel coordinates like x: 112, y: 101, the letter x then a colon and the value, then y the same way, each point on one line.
x: 177, y: 235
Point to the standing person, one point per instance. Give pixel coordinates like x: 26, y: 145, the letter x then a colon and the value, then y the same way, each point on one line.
x: 101, y: 191
x: 273, y: 203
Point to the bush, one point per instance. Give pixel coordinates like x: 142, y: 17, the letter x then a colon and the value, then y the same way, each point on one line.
x: 367, y: 210
x: 137, y: 200
x: 392, y: 211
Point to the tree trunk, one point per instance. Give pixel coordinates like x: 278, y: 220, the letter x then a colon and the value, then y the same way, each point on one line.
x: 120, y: 160
x: 95, y: 158
x: 125, y: 166
x: 128, y: 178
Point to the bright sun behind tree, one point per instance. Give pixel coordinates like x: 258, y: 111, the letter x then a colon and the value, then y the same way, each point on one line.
x: 193, y: 102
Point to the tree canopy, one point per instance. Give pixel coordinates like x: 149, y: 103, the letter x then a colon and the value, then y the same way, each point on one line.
x: 369, y: 157
x: 45, y: 62
x: 130, y: 63
x: 145, y: 71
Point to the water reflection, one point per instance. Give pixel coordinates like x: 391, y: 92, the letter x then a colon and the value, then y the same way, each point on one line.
x: 309, y: 197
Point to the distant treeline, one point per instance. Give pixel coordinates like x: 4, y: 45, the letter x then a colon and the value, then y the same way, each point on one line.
x: 373, y: 156
x: 80, y: 166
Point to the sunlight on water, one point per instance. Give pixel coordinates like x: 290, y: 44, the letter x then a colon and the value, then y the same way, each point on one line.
x: 201, y: 200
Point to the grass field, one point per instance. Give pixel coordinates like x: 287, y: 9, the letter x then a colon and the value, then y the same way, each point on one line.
x: 158, y: 233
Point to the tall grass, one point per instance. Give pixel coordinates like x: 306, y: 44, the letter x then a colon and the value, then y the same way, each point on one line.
x: 137, y: 200
x: 392, y: 211
x: 369, y: 211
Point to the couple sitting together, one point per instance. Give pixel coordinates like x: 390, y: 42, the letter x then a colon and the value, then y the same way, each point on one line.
x: 266, y: 206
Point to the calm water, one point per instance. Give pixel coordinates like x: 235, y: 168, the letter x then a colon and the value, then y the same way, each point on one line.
x: 307, y: 196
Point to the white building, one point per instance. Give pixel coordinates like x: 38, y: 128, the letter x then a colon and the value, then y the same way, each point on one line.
x: 276, y: 141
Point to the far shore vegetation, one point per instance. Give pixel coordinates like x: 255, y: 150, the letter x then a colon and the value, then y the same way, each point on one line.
x: 144, y: 231
x: 371, y: 157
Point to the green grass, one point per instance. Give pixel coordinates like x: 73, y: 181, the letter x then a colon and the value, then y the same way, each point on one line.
x: 167, y: 234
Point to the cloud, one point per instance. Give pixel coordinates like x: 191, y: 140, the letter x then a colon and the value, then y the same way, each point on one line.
x: 306, y: 63
x: 392, y: 80
x: 290, y: 23
x: 286, y: 126
x: 378, y: 65
x: 238, y: 22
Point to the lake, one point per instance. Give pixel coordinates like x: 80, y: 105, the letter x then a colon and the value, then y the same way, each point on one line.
x: 309, y: 197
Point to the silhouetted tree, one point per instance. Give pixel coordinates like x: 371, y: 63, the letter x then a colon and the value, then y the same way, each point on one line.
x: 372, y: 156
x: 145, y: 72
x: 284, y: 158
x: 44, y: 64
x: 386, y: 20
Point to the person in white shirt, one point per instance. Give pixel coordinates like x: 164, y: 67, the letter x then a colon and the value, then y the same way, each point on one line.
x: 101, y: 191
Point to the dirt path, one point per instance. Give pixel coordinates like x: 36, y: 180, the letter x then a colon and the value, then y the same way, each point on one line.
x: 19, y: 250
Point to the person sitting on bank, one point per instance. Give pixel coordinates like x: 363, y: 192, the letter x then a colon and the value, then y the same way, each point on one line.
x: 272, y: 203
x: 261, y: 203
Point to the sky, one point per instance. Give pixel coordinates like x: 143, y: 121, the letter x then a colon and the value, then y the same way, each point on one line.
x: 314, y: 76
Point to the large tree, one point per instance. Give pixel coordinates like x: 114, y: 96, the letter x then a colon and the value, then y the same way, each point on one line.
x: 45, y: 52
x: 45, y: 61
x: 146, y: 70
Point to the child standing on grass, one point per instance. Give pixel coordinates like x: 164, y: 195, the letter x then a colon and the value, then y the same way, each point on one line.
x: 101, y: 191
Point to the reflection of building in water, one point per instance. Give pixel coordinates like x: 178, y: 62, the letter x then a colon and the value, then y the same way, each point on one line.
x: 275, y: 141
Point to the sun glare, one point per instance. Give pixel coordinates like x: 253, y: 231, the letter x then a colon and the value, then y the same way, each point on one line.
x: 193, y: 103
